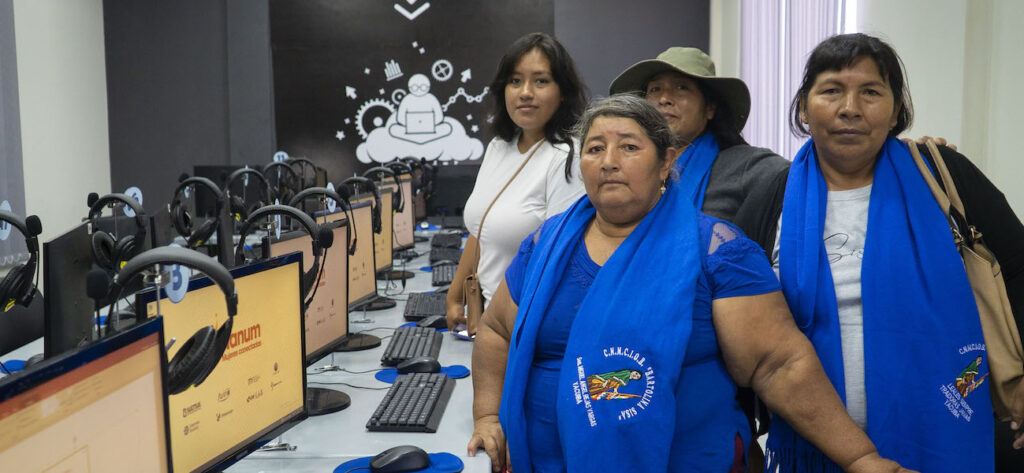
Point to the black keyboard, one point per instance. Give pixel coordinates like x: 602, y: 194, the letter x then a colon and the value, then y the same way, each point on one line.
x: 442, y: 274
x: 425, y: 304
x: 412, y: 342
x: 445, y: 254
x: 415, y: 403
x: 446, y: 240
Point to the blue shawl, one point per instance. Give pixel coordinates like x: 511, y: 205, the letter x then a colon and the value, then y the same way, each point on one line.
x: 694, y: 167
x: 921, y: 329
x: 616, y: 396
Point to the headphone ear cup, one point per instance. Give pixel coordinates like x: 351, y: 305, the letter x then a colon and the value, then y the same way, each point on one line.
x: 124, y: 249
x: 103, y: 249
x: 220, y: 344
x: 181, y: 220
x: 191, y: 360
x: 202, y: 233
x: 9, y: 287
x: 238, y: 209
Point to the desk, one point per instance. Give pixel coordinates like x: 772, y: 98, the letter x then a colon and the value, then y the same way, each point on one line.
x: 327, y: 441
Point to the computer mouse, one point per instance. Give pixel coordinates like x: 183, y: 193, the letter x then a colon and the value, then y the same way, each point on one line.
x: 400, y: 459
x: 420, y: 364
x: 433, y: 321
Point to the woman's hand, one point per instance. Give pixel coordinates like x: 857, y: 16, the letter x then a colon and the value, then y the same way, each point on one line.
x: 487, y: 434
x: 873, y: 463
x: 456, y: 313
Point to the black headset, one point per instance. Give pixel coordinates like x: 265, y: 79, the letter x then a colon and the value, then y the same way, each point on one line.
x: 199, y: 355
x: 194, y: 232
x: 108, y: 252
x: 238, y: 208
x: 299, y: 202
x: 303, y: 164
x: 309, y: 277
x: 398, y: 204
x: 378, y: 225
x: 286, y: 181
x: 17, y: 286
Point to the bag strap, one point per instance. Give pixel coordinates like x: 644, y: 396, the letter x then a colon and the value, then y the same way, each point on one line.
x: 946, y: 202
x: 480, y: 229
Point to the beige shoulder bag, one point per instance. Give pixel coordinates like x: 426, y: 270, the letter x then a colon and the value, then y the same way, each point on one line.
x: 1002, y: 340
x: 471, y: 285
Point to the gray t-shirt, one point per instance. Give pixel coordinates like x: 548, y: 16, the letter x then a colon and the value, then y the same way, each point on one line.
x: 733, y: 176
x: 846, y: 224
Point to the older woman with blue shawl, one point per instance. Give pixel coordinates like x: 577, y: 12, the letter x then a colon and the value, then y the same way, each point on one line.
x: 871, y: 272
x: 624, y: 326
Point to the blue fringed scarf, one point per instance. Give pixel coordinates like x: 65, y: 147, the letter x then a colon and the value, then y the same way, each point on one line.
x: 616, y: 396
x: 694, y: 167
x: 921, y: 329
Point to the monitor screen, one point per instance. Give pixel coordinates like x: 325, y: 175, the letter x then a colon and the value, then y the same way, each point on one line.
x: 327, y: 315
x: 362, y: 279
x: 99, y: 408
x: 257, y: 389
x: 404, y: 221
x: 382, y: 242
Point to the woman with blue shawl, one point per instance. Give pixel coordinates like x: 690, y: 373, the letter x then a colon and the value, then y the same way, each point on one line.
x: 871, y: 272
x: 624, y: 326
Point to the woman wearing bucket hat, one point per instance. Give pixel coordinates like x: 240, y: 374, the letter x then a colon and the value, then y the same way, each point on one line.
x: 707, y: 113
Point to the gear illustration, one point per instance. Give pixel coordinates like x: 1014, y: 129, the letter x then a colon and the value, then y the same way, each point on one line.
x: 372, y: 114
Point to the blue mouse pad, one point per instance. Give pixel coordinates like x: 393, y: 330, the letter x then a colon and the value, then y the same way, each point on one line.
x: 427, y: 269
x: 413, y: 324
x: 13, y: 365
x: 439, y: 463
x: 388, y: 375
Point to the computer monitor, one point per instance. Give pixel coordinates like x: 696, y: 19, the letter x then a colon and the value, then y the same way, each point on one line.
x: 327, y: 314
x: 404, y: 221
x: 98, y: 408
x: 68, y: 311
x: 257, y: 390
x: 362, y: 283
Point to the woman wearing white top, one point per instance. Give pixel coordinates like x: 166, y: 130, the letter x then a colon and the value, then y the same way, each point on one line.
x: 543, y: 96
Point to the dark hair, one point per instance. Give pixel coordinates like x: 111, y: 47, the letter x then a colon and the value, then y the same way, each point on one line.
x: 630, y: 106
x: 563, y: 70
x: 842, y: 51
x: 723, y: 124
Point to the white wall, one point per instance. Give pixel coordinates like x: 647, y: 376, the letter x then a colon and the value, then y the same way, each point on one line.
x: 63, y: 100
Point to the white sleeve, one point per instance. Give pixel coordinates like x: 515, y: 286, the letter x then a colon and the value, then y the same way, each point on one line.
x: 562, y: 194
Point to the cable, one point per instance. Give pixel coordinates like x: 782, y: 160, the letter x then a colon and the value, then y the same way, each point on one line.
x: 319, y: 275
x: 354, y: 386
x: 4, y: 368
x: 358, y: 468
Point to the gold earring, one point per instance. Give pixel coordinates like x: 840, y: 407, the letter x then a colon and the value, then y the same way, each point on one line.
x: 663, y: 183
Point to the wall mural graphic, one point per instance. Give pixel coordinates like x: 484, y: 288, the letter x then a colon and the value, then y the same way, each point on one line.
x: 361, y: 82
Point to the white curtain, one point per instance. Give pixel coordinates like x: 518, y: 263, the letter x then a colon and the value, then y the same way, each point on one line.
x: 776, y: 38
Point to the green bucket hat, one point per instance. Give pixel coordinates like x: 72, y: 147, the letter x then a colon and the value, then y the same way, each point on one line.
x: 696, y: 65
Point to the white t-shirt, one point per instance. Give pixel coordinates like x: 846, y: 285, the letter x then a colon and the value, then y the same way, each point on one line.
x: 846, y: 225
x: 538, y: 192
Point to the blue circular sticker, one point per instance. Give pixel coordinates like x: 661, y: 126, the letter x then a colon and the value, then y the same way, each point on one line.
x: 331, y: 204
x: 135, y: 193
x: 280, y: 156
x: 5, y: 228
x: 177, y: 287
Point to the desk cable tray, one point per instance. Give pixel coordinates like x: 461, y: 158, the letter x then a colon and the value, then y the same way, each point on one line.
x: 412, y: 342
x: 415, y: 403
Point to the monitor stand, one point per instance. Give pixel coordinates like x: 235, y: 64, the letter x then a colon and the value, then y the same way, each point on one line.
x: 378, y: 303
x: 357, y: 342
x: 320, y: 401
x: 420, y: 239
x: 394, y: 276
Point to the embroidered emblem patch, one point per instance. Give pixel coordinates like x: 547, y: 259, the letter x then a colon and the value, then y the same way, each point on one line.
x: 634, y: 381
x: 969, y: 379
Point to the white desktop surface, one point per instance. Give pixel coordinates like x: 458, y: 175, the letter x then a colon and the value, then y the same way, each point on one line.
x: 324, y: 442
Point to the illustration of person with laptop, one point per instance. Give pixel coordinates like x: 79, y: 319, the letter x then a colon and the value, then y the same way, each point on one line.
x: 419, y: 118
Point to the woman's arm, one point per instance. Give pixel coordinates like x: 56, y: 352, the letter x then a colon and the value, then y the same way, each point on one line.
x: 764, y: 349
x: 490, y: 354
x: 456, y: 300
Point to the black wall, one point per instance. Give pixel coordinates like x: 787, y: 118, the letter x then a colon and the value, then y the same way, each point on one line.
x: 191, y: 81
x: 188, y: 82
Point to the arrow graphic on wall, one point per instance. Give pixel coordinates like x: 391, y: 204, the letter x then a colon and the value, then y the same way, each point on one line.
x: 413, y: 14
